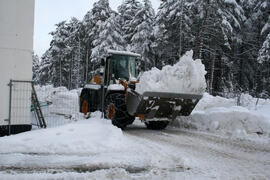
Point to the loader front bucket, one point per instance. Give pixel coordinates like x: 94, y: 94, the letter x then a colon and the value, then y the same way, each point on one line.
x: 161, y: 105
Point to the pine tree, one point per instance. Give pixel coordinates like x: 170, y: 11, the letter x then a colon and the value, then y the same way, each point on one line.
x: 172, y: 31
x: 110, y: 37
x: 64, y: 69
x: 252, y: 38
x: 215, y: 25
x: 59, y: 49
x: 264, y: 60
x: 45, y: 69
x: 128, y: 11
x: 86, y: 42
x: 142, y: 38
x: 35, y: 68
x: 264, y: 53
x: 74, y: 55
x: 100, y: 14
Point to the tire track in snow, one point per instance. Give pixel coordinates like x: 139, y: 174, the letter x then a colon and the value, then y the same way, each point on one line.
x: 248, y: 157
x: 241, y: 144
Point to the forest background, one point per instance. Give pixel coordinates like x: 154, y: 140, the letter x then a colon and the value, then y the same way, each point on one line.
x: 232, y: 37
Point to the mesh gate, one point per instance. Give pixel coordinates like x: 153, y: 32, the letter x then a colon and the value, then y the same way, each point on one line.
x: 58, y: 106
x: 19, y: 114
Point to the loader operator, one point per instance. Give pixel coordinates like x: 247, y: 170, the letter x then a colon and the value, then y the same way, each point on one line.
x: 97, y: 79
x: 122, y: 70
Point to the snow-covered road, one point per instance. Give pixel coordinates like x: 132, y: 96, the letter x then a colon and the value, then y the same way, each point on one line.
x: 207, y: 156
x: 169, y: 154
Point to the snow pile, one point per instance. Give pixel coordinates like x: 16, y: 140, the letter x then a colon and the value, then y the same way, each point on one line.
x: 251, y: 103
x: 221, y: 115
x: 59, y: 105
x: 65, y: 102
x: 60, y: 99
x: 85, y: 136
x: 93, y: 143
x: 209, y: 101
x: 186, y: 76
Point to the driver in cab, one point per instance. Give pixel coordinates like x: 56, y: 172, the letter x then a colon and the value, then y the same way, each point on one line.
x: 98, y: 78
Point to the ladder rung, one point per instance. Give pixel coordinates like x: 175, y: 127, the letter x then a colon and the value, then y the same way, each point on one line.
x: 37, y: 108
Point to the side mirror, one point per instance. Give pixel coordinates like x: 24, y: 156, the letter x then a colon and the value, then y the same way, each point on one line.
x: 102, y: 62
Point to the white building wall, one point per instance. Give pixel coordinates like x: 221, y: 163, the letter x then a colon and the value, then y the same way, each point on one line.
x: 16, y: 47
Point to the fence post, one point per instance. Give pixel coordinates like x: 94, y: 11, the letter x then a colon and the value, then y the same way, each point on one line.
x: 9, y: 109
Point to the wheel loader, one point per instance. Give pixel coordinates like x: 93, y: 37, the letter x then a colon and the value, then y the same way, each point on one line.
x: 115, y: 95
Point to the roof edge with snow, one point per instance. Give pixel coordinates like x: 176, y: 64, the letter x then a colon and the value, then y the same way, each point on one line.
x: 110, y: 51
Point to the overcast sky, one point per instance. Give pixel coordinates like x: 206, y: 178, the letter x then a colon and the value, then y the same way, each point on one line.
x: 50, y: 12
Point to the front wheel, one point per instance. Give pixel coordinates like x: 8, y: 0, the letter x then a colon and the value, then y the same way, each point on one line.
x: 116, y: 110
x: 156, y: 125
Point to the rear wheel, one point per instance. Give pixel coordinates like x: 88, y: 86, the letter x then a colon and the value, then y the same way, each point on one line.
x: 156, y: 125
x: 84, y: 107
x: 84, y: 103
x: 116, y: 110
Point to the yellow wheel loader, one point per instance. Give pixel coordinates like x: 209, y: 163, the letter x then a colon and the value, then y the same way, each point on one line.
x: 116, y: 97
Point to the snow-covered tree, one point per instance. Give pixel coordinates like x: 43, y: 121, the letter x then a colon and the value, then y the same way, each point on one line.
x: 63, y: 56
x: 59, y: 50
x: 101, y: 12
x: 230, y: 36
x: 35, y: 68
x: 172, y: 31
x: 110, y: 37
x: 142, y: 38
x: 128, y: 10
x: 264, y: 60
x: 45, y: 69
x: 264, y: 53
x: 251, y: 40
x: 215, y: 25
x: 74, y: 55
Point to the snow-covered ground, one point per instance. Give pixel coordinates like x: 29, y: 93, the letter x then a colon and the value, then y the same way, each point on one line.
x: 92, y: 136
x: 94, y: 149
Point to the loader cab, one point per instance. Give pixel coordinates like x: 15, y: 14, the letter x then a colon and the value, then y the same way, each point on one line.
x: 120, y: 65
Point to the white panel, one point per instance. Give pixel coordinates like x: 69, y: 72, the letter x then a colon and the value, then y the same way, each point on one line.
x: 16, y: 47
x: 17, y: 22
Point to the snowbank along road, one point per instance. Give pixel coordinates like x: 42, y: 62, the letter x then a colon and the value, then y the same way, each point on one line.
x: 136, y: 153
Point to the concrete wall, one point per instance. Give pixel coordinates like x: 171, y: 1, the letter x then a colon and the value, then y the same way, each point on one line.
x: 16, y: 47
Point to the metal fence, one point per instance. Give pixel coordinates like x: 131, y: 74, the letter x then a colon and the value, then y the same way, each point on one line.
x: 58, y: 106
x: 19, y: 107
x: 20, y: 101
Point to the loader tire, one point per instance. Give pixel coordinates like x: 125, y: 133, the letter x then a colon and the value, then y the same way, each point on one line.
x: 84, y: 104
x: 156, y: 125
x: 116, y: 110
